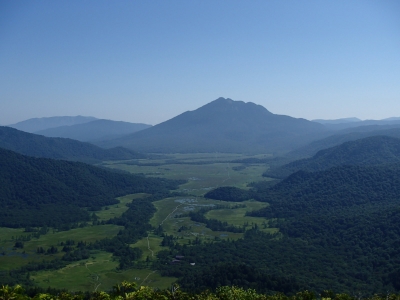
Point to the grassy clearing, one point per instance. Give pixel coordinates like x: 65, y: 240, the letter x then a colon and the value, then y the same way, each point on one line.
x: 15, y: 258
x: 117, y: 210
x: 213, y: 170
x: 237, y: 216
x: 87, y: 234
x: 7, y: 234
x: 98, y: 272
x: 150, y: 246
x: 185, y: 230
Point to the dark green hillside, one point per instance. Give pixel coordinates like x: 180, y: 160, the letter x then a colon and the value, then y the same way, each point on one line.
x: 59, y: 148
x: 223, y: 125
x: 343, y: 136
x: 46, y: 192
x: 336, y: 188
x: 351, y: 212
x: 375, y: 150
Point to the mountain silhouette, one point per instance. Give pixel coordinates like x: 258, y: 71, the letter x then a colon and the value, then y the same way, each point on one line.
x: 223, y: 125
x: 94, y: 130
x: 36, y: 124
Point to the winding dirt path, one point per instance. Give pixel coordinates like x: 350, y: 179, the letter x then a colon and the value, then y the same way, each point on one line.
x: 97, y: 276
x: 148, y: 246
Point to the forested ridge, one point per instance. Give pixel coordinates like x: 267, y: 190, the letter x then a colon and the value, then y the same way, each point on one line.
x: 60, y: 148
x: 46, y: 192
x: 370, y: 151
x: 350, y: 213
x: 342, y: 136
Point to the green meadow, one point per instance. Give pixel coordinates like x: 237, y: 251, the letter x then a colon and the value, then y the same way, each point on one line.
x: 98, y: 273
x: 117, y: 210
x: 237, y: 216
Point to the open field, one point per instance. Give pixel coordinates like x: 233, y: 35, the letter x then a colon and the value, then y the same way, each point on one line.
x: 202, y: 171
x: 117, y: 210
x: 237, y: 216
x: 98, y: 273
x: 19, y: 257
x: 12, y: 258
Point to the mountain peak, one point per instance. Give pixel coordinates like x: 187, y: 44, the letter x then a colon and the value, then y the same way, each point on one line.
x: 223, y: 125
x: 224, y: 104
x: 224, y: 100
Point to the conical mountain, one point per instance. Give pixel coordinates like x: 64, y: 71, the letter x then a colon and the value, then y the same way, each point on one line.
x: 223, y: 125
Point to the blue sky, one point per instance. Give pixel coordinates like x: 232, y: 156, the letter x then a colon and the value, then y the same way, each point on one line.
x: 148, y: 61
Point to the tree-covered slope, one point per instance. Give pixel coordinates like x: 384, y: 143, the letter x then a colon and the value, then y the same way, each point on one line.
x: 351, y: 212
x: 339, y: 187
x: 40, y: 191
x: 223, y: 125
x: 343, y: 136
x: 370, y: 151
x: 59, y: 148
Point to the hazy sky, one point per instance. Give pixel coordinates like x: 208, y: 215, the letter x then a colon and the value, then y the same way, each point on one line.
x: 148, y: 61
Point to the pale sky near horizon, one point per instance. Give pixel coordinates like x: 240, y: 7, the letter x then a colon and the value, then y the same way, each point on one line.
x: 148, y: 61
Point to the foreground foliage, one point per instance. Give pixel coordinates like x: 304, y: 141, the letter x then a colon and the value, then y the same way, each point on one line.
x: 127, y: 290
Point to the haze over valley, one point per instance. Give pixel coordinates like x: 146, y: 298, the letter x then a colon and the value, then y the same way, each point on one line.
x: 200, y: 150
x: 181, y: 192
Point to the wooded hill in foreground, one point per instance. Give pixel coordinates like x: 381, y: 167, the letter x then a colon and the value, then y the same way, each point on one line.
x: 47, y: 192
x: 59, y: 148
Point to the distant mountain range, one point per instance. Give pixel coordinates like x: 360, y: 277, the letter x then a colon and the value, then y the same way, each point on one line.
x: 36, y: 124
x: 223, y: 125
x: 370, y: 151
x: 344, y: 123
x: 59, y: 148
x: 337, y: 121
x: 94, y: 130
